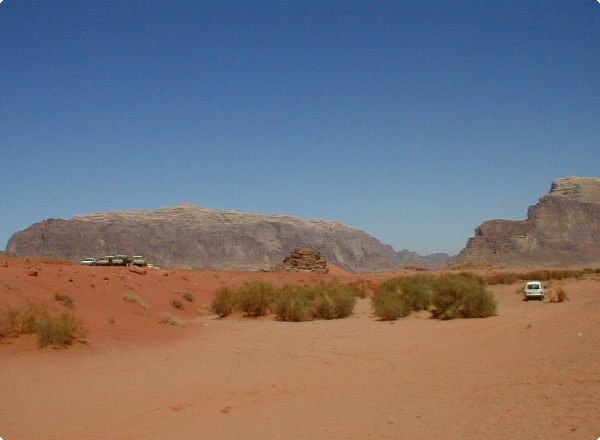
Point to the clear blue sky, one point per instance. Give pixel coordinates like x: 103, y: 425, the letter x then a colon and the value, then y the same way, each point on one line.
x: 412, y: 120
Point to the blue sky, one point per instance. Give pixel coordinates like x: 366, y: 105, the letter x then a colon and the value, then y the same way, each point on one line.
x: 414, y: 121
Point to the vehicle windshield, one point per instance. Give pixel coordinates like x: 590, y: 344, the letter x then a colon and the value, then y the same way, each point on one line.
x: 533, y: 286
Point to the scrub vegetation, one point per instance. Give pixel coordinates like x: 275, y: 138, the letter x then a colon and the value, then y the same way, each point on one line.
x: 58, y: 331
x: 291, y: 302
x: 450, y: 296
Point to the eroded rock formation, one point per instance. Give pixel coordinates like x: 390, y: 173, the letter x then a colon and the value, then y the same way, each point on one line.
x: 303, y: 260
x: 191, y: 236
x: 563, y: 229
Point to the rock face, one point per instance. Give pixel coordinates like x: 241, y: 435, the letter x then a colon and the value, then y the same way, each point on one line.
x: 563, y: 229
x: 191, y: 236
x: 303, y: 260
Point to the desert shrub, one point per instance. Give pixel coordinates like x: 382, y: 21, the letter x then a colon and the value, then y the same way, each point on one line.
x: 176, y: 303
x: 332, y: 300
x: 223, y: 302
x: 323, y: 307
x: 66, y: 300
x: 10, y: 322
x: 31, y: 316
x: 55, y: 331
x: 462, y: 296
x: 415, y: 291
x: 292, y: 304
x: 136, y: 300
x: 188, y: 296
x: 254, y: 298
x: 388, y: 305
x: 59, y: 332
x: 169, y: 319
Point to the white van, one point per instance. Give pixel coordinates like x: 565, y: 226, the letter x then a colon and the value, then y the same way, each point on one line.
x: 534, y: 290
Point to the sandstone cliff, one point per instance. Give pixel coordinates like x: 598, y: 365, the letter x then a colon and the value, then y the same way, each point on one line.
x: 563, y: 229
x: 191, y: 236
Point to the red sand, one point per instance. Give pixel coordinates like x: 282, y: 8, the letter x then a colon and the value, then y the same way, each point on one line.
x: 532, y: 372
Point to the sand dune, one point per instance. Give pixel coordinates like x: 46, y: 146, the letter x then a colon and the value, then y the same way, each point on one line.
x: 532, y: 372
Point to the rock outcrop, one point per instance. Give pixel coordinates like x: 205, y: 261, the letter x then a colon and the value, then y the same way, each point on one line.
x: 191, y: 236
x: 563, y: 229
x: 303, y: 260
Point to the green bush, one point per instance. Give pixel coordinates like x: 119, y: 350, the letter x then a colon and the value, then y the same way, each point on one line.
x: 59, y: 332
x: 388, y: 305
x: 397, y: 297
x: 223, y: 302
x: 254, y: 298
x: 462, y: 296
x: 292, y: 304
x: 332, y: 300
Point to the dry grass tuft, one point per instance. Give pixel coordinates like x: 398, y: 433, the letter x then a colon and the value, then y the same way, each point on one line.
x: 136, y: 300
x: 188, y: 296
x: 56, y: 331
x: 169, y: 319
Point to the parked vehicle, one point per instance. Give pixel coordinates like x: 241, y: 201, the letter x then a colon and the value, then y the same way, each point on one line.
x: 534, y: 290
x: 120, y: 260
x: 105, y: 261
x: 89, y: 261
x: 139, y: 260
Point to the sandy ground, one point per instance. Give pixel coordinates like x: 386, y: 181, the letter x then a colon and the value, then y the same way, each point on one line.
x: 532, y: 372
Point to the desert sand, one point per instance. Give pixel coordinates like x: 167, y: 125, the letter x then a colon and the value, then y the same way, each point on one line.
x: 532, y: 372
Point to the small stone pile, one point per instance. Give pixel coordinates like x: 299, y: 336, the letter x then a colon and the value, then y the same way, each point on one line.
x: 303, y: 260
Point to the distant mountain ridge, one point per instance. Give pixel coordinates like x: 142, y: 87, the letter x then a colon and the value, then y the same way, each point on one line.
x: 191, y: 236
x: 563, y: 229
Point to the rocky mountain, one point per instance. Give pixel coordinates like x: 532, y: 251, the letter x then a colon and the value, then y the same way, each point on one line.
x: 563, y: 229
x: 191, y: 236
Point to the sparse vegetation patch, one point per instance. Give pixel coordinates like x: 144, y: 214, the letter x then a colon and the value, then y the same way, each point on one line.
x: 224, y: 301
x: 255, y: 298
x: 56, y: 331
x: 188, y: 296
x: 169, y: 319
x: 59, y: 332
x: 136, y: 300
x: 451, y: 296
x: 292, y: 302
x: 540, y: 274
